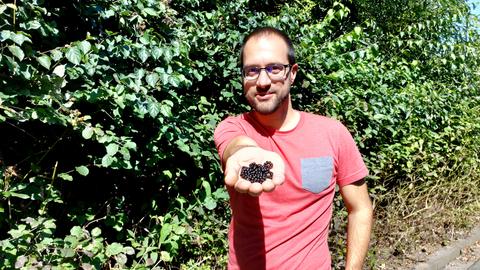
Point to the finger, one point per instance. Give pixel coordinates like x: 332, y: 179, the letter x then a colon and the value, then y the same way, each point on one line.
x: 242, y: 185
x: 278, y: 179
x: 278, y: 172
x: 231, y: 173
x: 230, y: 177
x: 268, y: 185
x: 255, y: 189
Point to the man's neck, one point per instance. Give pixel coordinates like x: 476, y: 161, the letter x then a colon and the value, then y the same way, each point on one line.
x: 285, y: 118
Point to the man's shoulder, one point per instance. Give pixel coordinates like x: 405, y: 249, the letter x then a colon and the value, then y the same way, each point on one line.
x: 232, y: 118
x: 239, y: 120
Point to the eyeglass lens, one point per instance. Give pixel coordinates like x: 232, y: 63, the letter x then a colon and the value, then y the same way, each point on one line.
x: 274, y: 70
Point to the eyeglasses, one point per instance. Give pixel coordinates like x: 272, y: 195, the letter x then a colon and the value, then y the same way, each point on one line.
x: 274, y: 72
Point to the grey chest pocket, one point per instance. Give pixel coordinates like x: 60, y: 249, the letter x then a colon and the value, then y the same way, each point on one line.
x: 316, y: 173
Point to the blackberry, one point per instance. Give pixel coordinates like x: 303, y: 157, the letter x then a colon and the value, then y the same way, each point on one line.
x: 257, y: 173
x: 268, y: 165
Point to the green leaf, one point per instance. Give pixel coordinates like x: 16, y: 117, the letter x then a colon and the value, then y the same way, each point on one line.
x: 50, y: 224
x: 165, y: 110
x: 154, y: 256
x: 45, y: 61
x: 114, y: 249
x: 150, y: 11
x: 197, y: 75
x: 82, y: 170
x: 152, y: 79
x: 21, y: 231
x: 143, y: 54
x: 12, y: 6
x: 4, y: 35
x: 74, y: 55
x: 59, y: 70
x: 76, y: 231
x: 220, y: 193
x: 174, y: 81
x: 67, y: 252
x: 27, y: 72
x: 72, y: 241
x: 85, y: 46
x: 168, y: 173
x: 19, y: 195
x: 108, y: 13
x: 165, y: 231
x: 112, y: 149
x: 33, y: 25
x: 16, y: 51
x: 66, y: 176
x: 208, y: 189
x: 128, y: 250
x: 87, y: 132
x: 357, y: 30
x: 182, y: 146
x: 167, y: 54
x: 19, y: 38
x: 207, y: 153
x: 107, y: 160
x: 121, y: 259
x: 210, y: 203
x: 165, y: 256
x: 56, y: 54
x: 156, y: 52
x: 145, y: 39
x: 96, y: 232
x: 131, y: 145
x: 179, y: 230
x: 153, y: 108
x: 379, y: 117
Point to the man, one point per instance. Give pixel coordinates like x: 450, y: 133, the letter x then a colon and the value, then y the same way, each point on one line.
x: 283, y: 222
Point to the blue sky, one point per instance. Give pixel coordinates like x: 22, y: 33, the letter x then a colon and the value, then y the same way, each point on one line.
x: 476, y: 10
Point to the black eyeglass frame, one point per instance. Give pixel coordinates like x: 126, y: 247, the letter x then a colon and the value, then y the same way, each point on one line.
x: 267, y: 71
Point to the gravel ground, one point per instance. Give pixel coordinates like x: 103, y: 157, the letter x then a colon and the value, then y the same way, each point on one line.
x: 468, y: 256
x: 442, y: 240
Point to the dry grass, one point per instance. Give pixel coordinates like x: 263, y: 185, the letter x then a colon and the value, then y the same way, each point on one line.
x: 419, y: 220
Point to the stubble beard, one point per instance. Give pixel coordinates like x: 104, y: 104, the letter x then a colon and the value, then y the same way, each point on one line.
x: 270, y: 106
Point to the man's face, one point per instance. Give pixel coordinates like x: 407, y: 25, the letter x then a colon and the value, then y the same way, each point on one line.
x: 264, y: 94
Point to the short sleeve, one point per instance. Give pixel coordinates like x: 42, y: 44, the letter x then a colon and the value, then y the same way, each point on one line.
x: 350, y: 165
x: 227, y: 130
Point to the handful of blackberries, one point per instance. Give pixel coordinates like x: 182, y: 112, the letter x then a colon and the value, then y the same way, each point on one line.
x: 257, y: 173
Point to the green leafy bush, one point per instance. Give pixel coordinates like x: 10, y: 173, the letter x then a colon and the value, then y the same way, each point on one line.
x: 108, y: 110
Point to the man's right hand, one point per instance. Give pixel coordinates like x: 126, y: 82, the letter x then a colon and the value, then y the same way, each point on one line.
x: 243, y: 157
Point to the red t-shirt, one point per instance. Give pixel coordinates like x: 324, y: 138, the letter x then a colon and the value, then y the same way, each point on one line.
x: 288, y: 228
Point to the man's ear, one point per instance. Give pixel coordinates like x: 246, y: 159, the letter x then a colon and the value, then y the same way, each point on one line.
x: 293, y: 73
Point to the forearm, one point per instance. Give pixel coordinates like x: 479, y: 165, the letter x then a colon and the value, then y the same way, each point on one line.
x: 358, y: 237
x: 235, y: 145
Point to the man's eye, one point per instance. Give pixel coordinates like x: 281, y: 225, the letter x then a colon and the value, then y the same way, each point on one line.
x: 275, y: 68
x: 251, y: 71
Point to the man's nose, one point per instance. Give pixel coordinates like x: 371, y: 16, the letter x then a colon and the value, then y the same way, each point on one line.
x: 263, y: 80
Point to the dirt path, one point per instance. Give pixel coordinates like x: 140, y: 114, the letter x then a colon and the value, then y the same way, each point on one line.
x: 468, y: 257
x: 463, y: 254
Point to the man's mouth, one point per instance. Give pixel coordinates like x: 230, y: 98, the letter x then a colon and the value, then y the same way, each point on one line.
x: 264, y: 95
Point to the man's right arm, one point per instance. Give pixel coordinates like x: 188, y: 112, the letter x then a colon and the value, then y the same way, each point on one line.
x: 236, y: 144
x: 241, y: 151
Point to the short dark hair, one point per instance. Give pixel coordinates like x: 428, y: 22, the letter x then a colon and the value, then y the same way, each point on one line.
x: 266, y: 31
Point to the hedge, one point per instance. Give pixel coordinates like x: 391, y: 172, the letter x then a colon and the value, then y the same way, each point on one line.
x: 107, y: 110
